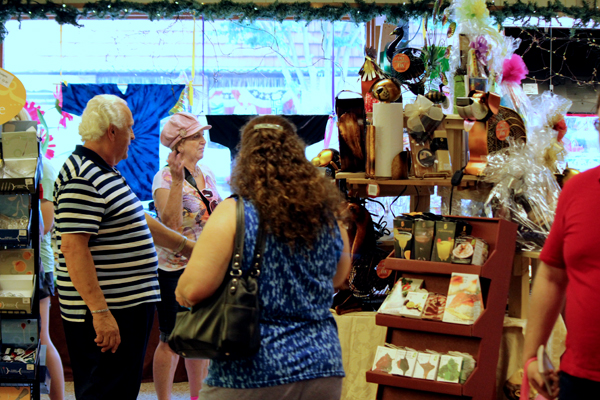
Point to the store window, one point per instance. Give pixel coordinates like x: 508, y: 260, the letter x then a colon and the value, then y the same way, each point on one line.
x: 263, y: 67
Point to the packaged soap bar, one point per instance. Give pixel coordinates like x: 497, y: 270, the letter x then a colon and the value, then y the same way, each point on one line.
x: 395, y: 299
x: 403, y: 235
x: 404, y: 363
x: 414, y: 303
x: 427, y: 366
x: 450, y: 367
x: 434, y: 307
x: 468, y: 365
x: 464, y: 303
x: 384, y: 359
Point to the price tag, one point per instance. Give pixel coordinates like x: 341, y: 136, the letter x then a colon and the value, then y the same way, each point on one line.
x: 373, y: 190
x: 530, y: 88
x: 5, y: 78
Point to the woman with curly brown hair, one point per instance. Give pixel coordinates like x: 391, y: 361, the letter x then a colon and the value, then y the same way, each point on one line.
x: 306, y: 256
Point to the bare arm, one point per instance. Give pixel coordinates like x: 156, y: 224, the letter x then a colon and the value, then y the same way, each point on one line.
x: 209, y: 261
x: 82, y: 271
x: 47, y: 214
x: 547, y: 299
x: 169, y: 202
x: 345, y: 261
x: 168, y: 238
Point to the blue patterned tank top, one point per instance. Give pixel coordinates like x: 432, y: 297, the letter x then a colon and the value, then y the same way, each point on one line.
x: 299, y: 338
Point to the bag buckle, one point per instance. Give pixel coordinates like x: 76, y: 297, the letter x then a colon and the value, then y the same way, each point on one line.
x: 236, y: 272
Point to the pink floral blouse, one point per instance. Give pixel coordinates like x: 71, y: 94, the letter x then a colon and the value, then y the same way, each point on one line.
x: 194, y: 212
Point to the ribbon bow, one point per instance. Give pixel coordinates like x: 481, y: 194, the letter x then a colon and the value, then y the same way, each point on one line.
x: 422, y: 116
x: 478, y: 106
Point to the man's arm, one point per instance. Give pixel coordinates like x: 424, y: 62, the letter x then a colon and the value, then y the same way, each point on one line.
x: 82, y: 271
x: 547, y: 299
x: 168, y: 238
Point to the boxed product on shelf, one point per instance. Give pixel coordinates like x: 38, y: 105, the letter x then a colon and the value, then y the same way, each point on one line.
x: 14, y: 219
x: 423, y: 240
x: 395, y: 299
x: 480, y: 252
x: 19, y: 126
x: 15, y: 393
x: 17, y: 262
x: 435, y: 306
x: 468, y: 365
x: 463, y: 250
x: 17, y: 280
x: 413, y: 305
x: 19, y: 349
x: 427, y: 365
x: 450, y: 368
x: 404, y: 362
x: 470, y: 250
x: 20, y: 151
x: 445, y: 231
x: 384, y: 357
x: 465, y: 302
x: 403, y: 235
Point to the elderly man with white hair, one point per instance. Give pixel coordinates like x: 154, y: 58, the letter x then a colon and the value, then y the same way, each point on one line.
x: 107, y: 278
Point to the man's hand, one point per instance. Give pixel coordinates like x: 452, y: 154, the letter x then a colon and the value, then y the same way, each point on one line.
x: 537, y: 382
x: 107, y: 332
x: 175, y: 163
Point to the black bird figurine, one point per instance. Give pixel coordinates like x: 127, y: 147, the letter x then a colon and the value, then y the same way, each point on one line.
x: 389, y: 53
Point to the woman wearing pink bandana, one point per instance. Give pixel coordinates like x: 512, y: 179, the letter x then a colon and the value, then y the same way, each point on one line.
x: 185, y: 194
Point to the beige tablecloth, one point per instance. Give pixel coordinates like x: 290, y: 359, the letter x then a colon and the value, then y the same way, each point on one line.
x: 359, y: 337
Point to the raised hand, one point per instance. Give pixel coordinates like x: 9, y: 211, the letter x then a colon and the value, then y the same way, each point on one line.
x: 175, y: 163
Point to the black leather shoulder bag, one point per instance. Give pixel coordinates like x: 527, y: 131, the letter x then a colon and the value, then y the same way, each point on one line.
x: 225, y: 325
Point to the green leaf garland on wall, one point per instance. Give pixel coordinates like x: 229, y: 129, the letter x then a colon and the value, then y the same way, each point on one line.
x: 357, y: 11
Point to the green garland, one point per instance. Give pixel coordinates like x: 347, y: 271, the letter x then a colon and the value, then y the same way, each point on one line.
x: 359, y: 11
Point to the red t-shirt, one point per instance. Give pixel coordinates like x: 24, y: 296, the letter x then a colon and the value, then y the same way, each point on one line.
x: 574, y: 244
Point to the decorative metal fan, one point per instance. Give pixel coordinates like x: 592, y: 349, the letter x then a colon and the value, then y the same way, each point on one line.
x: 502, y: 125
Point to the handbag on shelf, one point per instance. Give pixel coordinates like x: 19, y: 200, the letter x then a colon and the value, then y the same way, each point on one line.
x: 225, y: 325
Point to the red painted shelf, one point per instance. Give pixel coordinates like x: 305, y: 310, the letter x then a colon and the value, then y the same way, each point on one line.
x: 382, y: 378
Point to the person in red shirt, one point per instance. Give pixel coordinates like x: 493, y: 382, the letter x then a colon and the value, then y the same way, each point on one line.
x: 570, y: 269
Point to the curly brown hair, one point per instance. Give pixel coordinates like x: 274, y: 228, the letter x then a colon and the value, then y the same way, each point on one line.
x: 294, y: 200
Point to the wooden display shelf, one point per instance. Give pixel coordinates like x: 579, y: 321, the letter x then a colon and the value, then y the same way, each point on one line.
x: 359, y: 178
x: 382, y: 378
x: 396, y: 321
x: 427, y: 267
x: 482, y: 339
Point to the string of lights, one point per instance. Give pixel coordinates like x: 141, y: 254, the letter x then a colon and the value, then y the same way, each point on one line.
x: 562, y: 48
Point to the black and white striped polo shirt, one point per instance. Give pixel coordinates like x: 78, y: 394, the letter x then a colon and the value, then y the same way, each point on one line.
x: 92, y: 197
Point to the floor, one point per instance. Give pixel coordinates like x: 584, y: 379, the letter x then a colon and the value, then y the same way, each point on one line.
x: 180, y: 392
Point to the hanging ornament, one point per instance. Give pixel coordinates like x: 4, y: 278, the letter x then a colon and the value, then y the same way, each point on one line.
x: 179, y: 106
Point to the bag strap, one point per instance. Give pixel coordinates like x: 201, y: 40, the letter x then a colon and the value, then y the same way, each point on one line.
x: 190, y: 179
x: 240, y: 230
